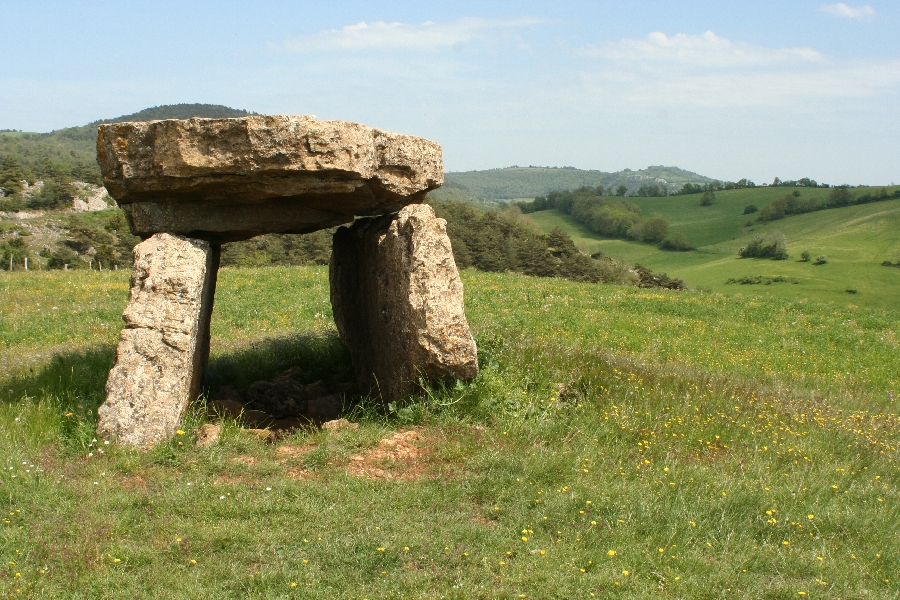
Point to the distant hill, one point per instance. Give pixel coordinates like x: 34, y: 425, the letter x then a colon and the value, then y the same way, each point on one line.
x: 71, y: 152
x: 528, y: 182
x: 180, y: 111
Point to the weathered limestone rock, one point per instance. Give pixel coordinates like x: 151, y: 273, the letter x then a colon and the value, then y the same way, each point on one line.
x: 231, y: 179
x: 165, y: 344
x: 398, y: 302
x: 395, y: 288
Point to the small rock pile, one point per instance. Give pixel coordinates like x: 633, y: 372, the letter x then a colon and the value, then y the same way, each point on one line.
x: 282, y: 404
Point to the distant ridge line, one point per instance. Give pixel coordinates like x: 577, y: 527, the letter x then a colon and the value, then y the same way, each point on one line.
x: 179, y: 111
x: 507, y: 183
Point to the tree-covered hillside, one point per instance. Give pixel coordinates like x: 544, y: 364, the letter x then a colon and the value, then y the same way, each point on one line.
x: 70, y: 154
x: 180, y: 111
x: 529, y: 182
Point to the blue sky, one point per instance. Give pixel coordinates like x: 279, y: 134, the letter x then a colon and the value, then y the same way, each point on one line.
x: 728, y: 89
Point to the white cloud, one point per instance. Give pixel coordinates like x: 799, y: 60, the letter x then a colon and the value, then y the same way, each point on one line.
x: 704, y: 50
x: 850, y: 12
x: 773, y: 89
x: 426, y: 36
x: 709, y: 71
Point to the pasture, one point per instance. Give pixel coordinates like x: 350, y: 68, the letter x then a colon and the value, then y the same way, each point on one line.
x: 855, y: 240
x: 618, y: 443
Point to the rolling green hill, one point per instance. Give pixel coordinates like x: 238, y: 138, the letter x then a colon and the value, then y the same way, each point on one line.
x: 528, y: 182
x: 855, y: 240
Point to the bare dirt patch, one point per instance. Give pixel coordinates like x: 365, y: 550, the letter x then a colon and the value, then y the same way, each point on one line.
x: 298, y: 473
x: 398, y: 457
x: 289, y: 452
x: 482, y: 520
x: 228, y: 479
x: 133, y: 483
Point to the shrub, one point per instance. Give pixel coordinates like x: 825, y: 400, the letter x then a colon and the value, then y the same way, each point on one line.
x: 750, y: 209
x: 804, y: 256
x: 677, y: 241
x: 754, y: 280
x: 821, y: 259
x: 12, y: 252
x: 11, y: 203
x: 654, y: 230
x: 772, y: 211
x: 840, y: 196
x: 789, y: 205
x: 649, y: 279
x: 772, y: 246
x: 54, y: 194
x: 707, y: 199
x: 59, y: 258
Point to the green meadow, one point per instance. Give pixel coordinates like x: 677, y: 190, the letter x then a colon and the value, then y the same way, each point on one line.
x: 618, y: 443
x: 855, y: 240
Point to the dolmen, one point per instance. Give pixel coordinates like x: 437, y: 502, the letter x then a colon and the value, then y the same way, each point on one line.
x: 188, y: 186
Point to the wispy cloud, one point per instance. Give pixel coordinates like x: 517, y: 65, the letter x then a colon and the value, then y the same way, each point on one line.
x: 704, y: 50
x: 379, y: 35
x: 849, y: 12
x: 714, y: 72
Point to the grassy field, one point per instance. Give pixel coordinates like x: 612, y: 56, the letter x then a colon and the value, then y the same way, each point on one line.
x: 618, y: 443
x: 855, y: 239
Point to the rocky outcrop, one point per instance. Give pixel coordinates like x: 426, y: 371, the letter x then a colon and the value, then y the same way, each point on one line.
x: 165, y: 344
x: 90, y: 198
x: 231, y: 179
x: 398, y: 302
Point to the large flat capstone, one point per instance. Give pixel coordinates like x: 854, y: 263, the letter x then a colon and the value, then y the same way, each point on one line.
x: 397, y: 301
x: 230, y: 179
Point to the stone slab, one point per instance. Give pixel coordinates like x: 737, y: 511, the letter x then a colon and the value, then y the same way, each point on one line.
x: 164, y: 346
x: 397, y: 301
x: 229, y: 179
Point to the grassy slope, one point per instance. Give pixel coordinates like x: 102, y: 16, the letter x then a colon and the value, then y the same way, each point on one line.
x: 688, y: 454
x: 855, y: 239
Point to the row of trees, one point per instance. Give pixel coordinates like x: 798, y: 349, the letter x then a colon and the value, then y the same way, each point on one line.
x: 794, y: 204
x: 804, y: 182
x: 502, y: 240
x: 609, y: 217
x: 498, y: 240
x: 494, y: 240
x: 713, y: 186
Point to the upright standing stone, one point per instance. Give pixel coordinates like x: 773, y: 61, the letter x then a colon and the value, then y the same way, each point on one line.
x: 398, y: 302
x: 165, y: 344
